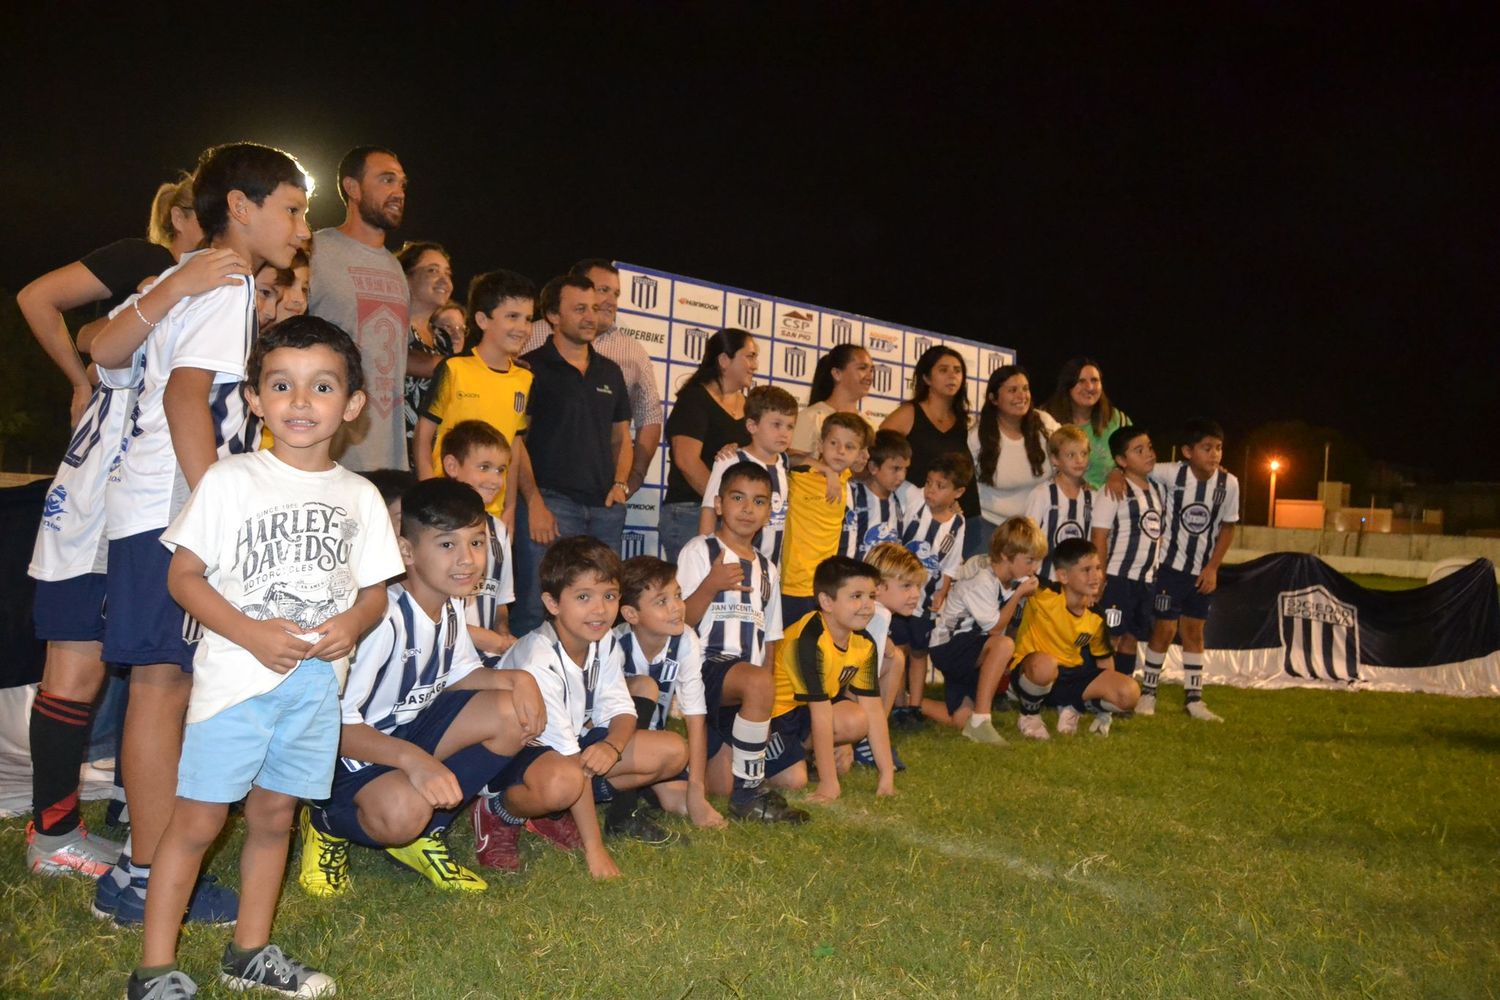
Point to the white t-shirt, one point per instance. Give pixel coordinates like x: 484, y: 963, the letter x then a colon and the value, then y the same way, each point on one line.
x: 577, y: 698
x: 736, y: 623
x: 70, y: 541
x: 1004, y: 495
x: 404, y: 663
x: 809, y: 427
x: 677, y: 670
x: 278, y: 543
x: 214, y: 332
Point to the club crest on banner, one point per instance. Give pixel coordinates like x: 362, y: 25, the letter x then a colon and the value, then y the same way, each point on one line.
x: 1319, y: 635
x: 643, y: 291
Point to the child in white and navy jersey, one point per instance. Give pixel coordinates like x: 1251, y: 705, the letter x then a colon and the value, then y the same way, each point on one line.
x: 879, y: 501
x: 1203, y: 506
x: 69, y: 564
x: 476, y: 454
x: 1063, y: 507
x: 970, y: 646
x: 190, y: 412
x: 591, y: 736
x: 770, y: 414
x: 416, y: 677
x: 283, y: 557
x: 899, y: 591
x: 1129, y: 530
x: 934, y: 533
x: 734, y: 601
x: 663, y: 660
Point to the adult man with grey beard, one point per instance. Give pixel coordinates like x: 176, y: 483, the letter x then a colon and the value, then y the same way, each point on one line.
x: 358, y: 285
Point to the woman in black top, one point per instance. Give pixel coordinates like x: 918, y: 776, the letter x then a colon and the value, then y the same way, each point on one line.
x: 936, y: 419
x: 707, y: 415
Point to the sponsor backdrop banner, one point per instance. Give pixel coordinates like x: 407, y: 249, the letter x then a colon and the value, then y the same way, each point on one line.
x: 673, y: 315
x: 1291, y: 620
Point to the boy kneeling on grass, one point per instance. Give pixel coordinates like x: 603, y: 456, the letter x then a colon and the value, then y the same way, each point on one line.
x: 1057, y: 628
x: 425, y: 725
x: 970, y: 644
x: 827, y: 687
x: 282, y: 556
x: 591, y: 741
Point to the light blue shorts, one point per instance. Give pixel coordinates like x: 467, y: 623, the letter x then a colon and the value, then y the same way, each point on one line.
x: 285, y: 740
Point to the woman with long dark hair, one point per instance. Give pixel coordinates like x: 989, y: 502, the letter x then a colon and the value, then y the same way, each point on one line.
x: 840, y: 381
x: 429, y: 279
x: 936, y: 418
x: 1080, y: 400
x: 708, y: 413
x: 1009, y: 445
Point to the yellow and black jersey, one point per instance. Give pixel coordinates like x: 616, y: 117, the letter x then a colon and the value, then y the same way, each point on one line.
x: 809, y: 667
x: 1047, y: 626
x: 813, y: 526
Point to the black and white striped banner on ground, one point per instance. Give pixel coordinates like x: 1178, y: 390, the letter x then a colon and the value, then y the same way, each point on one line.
x: 1291, y: 620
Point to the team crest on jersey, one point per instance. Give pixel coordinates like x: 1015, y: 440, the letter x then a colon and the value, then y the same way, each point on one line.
x: 520, y: 402
x: 1082, y: 642
x: 1067, y: 530
x: 1196, y: 518
x: 1151, y: 524
x: 846, y: 675
x: 55, y: 505
x: 1113, y: 617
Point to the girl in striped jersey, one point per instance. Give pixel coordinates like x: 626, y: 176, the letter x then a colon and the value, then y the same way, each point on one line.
x: 477, y: 455
x: 1063, y: 508
x: 935, y: 535
x: 1203, y: 506
x: 1129, y: 530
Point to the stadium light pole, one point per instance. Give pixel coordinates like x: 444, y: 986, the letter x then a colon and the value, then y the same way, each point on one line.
x: 1275, y: 467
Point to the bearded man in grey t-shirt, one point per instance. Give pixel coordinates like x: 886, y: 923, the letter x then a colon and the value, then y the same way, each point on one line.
x: 358, y: 285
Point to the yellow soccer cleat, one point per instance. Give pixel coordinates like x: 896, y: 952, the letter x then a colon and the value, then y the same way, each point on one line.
x: 428, y: 856
x: 325, y: 860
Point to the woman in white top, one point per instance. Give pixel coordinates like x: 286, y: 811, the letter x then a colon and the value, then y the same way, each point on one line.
x: 1009, y: 445
x: 841, y: 379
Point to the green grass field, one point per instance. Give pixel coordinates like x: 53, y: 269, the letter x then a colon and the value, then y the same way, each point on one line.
x: 1318, y: 844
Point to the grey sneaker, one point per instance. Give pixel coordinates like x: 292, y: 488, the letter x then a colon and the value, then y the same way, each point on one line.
x: 272, y: 969
x: 1147, y: 705
x: 75, y: 853
x: 173, y: 985
x: 980, y: 729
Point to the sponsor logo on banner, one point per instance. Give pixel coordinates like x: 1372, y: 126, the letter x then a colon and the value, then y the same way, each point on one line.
x: 918, y: 346
x: 798, y: 325
x: 644, y: 331
x: 840, y: 330
x: 1319, y: 635
x: 884, y: 343
x: 992, y: 362
x: 694, y: 341
x: 643, y: 289
x: 698, y: 304
x: 794, y: 362
x: 882, y: 379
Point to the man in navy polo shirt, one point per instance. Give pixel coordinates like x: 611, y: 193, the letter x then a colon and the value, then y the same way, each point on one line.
x: 574, y: 460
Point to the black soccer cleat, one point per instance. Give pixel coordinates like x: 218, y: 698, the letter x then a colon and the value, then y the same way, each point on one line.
x: 768, y: 807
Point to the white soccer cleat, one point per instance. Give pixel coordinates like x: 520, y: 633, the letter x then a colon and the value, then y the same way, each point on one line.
x: 1067, y: 721
x: 1101, y: 723
x: 1147, y: 705
x: 1198, y: 710
x: 1033, y: 728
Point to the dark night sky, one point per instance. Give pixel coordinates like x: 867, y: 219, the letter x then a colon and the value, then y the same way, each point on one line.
x: 1260, y: 214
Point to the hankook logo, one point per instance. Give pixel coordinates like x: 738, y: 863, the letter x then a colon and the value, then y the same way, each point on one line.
x: 697, y: 303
